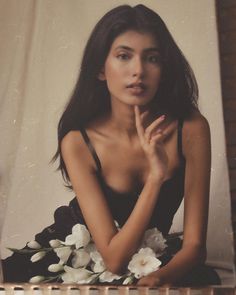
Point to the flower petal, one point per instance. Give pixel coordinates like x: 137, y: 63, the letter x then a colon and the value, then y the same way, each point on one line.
x: 33, y: 245
x: 55, y: 243
x: 99, y: 266
x: 55, y: 267
x: 82, y: 235
x: 154, y: 239
x: 36, y: 279
x: 63, y: 253
x: 73, y: 275
x: 147, y: 251
x: 108, y: 276
x: 81, y: 258
x: 143, y: 263
x: 70, y: 240
x: 37, y: 256
x: 96, y: 256
x: 67, y: 278
x: 128, y: 280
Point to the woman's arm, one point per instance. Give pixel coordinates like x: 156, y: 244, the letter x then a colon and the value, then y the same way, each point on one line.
x: 197, y: 151
x: 116, y: 247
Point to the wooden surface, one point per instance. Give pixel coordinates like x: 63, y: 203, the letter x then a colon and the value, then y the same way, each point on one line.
x: 65, y: 289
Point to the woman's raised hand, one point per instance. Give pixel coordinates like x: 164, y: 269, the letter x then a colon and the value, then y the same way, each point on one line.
x: 151, y: 139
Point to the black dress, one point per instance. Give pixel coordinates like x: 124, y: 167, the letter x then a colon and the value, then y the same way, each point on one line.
x: 19, y: 268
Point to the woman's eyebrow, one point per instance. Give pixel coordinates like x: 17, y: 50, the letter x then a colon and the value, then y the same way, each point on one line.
x: 132, y: 50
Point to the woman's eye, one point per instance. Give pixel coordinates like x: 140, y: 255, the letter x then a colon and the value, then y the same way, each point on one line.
x: 123, y: 56
x: 153, y: 59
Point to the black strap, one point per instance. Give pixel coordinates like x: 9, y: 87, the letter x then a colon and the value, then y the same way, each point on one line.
x: 180, y: 148
x: 91, y: 148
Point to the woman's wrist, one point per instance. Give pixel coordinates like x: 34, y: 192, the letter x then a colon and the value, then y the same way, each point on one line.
x: 155, y: 179
x: 153, y: 184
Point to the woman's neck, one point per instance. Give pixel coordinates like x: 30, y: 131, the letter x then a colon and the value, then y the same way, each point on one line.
x: 122, y: 120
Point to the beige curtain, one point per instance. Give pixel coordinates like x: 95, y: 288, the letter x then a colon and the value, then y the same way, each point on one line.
x: 41, y: 46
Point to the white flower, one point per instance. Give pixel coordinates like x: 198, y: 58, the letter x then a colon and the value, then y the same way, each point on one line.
x: 63, y: 253
x: 153, y: 239
x: 80, y: 236
x: 33, y: 245
x: 90, y: 248
x: 143, y: 263
x: 107, y: 276
x: 38, y: 256
x: 96, y: 256
x: 81, y: 258
x: 36, y: 279
x: 99, y: 266
x: 77, y: 275
x: 128, y: 280
x: 55, y: 243
x: 90, y: 280
x: 55, y: 267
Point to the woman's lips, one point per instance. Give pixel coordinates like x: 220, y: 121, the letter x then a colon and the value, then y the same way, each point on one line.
x: 136, y: 88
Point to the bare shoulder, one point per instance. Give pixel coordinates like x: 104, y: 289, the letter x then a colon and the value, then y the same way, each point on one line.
x: 196, y: 132
x: 73, y: 146
x: 197, y: 124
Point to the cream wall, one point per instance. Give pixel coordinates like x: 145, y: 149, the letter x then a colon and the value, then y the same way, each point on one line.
x: 41, y: 47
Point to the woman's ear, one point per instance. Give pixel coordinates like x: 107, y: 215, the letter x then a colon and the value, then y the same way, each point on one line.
x: 101, y: 75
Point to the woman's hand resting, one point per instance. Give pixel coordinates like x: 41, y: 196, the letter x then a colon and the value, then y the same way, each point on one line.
x: 152, y: 280
x: 151, y: 139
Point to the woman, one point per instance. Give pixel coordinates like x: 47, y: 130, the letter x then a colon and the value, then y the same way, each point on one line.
x: 131, y: 144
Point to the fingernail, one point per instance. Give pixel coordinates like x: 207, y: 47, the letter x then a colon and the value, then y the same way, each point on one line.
x: 163, y: 117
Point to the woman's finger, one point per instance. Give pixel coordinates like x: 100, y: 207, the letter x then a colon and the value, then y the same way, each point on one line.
x: 163, y: 132
x: 158, y: 138
x: 138, y: 122
x: 144, y: 115
x: 153, y: 126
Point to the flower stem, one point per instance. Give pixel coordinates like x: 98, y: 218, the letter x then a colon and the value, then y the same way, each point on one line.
x: 29, y: 251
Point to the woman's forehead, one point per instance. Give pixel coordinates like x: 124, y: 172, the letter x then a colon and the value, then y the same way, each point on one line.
x: 135, y: 40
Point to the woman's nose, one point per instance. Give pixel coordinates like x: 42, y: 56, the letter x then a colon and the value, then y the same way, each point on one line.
x: 138, y: 67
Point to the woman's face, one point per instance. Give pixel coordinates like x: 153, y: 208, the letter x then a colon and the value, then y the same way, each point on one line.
x: 132, y: 69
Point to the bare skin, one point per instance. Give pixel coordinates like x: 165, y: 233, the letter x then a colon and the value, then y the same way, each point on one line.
x: 145, y: 149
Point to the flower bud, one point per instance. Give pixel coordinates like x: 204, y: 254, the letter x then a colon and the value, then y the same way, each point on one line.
x: 36, y: 279
x: 55, y: 243
x: 38, y: 256
x: 33, y: 245
x: 127, y: 281
x: 55, y: 267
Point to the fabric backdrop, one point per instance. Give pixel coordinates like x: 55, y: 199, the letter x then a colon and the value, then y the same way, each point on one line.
x: 41, y: 46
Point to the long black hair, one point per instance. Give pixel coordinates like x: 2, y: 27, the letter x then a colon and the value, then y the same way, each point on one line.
x: 177, y: 93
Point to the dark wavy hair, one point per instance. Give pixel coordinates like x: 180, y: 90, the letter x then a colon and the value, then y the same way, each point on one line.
x: 177, y: 93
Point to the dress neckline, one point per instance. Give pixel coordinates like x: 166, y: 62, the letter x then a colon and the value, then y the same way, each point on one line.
x: 136, y: 192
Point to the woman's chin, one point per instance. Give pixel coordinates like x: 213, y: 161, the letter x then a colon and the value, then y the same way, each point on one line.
x: 139, y: 101
x: 132, y: 100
